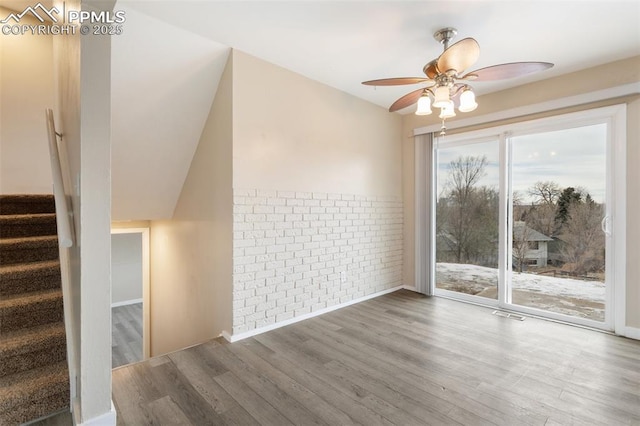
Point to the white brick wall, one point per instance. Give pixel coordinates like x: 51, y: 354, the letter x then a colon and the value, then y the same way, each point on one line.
x: 291, y: 248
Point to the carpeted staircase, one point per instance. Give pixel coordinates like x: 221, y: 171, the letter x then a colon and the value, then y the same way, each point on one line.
x: 34, y: 380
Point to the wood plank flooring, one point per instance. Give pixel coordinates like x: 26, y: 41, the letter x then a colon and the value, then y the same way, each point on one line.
x: 399, y: 359
x: 126, y: 334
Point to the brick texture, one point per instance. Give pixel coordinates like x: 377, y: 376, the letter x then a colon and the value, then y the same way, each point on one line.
x: 299, y: 252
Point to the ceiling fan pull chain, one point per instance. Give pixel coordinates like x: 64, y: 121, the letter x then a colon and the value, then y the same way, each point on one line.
x: 443, y: 129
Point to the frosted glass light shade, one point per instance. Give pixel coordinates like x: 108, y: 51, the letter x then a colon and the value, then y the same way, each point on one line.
x: 467, y: 101
x: 447, y: 112
x: 442, y: 97
x: 424, y: 105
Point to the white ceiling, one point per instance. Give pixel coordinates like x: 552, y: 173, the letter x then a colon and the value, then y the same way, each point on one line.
x: 344, y: 43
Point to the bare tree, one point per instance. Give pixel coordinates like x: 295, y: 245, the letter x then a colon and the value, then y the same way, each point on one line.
x: 545, y: 192
x: 467, y: 213
x: 583, y: 240
x: 464, y: 174
x: 541, y: 215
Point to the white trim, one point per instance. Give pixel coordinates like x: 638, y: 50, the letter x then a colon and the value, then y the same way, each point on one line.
x: 618, y: 209
x: 585, y: 98
x: 255, y: 332
x: 107, y: 419
x: 146, y: 286
x: 505, y: 217
x: 226, y: 335
x: 467, y: 298
x: 126, y: 302
x: 433, y: 178
x: 632, y: 333
x: 410, y: 288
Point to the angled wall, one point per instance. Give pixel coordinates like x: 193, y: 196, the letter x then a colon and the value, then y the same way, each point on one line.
x: 191, y: 254
x: 163, y: 82
x: 292, y: 205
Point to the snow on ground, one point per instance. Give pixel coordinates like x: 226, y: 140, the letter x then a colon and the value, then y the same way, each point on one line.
x: 552, y: 286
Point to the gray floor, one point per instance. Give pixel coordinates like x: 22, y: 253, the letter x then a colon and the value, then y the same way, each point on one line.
x: 126, y: 335
x: 398, y: 359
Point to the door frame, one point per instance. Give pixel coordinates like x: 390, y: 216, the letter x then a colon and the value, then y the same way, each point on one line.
x: 146, y: 308
x: 615, y: 117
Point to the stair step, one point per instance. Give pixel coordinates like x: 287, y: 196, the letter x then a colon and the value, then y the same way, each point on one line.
x: 27, y: 225
x: 25, y: 204
x: 30, y: 310
x: 30, y: 348
x: 29, y: 395
x: 29, y: 277
x: 28, y: 249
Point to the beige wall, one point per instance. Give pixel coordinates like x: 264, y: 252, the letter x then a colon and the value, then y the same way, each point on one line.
x: 292, y: 133
x: 633, y: 207
x: 191, y: 254
x: 26, y: 89
x: 258, y: 135
x: 315, y: 171
x: 593, y: 79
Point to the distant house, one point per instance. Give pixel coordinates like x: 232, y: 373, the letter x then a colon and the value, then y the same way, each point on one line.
x: 533, y: 244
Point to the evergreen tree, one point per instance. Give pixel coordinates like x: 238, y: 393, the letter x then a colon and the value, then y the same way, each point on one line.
x: 567, y: 197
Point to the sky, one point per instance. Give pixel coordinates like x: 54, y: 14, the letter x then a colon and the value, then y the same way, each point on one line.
x: 571, y: 157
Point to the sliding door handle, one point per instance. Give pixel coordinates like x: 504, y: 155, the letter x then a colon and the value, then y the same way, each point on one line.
x: 605, y: 225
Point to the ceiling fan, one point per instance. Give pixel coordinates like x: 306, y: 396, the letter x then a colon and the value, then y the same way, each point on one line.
x: 446, y: 78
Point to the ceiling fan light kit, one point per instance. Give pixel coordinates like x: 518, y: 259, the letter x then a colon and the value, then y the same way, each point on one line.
x: 424, y: 105
x: 467, y: 100
x: 445, y: 80
x: 442, y: 97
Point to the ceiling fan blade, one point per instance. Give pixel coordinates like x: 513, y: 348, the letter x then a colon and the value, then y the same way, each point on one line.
x: 459, y: 56
x: 396, y: 81
x: 510, y: 70
x: 431, y: 69
x: 408, y: 99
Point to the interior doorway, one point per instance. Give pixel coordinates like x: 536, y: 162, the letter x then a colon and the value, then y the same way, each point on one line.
x: 130, y: 340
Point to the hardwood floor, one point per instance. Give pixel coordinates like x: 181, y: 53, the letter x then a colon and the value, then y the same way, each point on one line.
x: 126, y: 335
x: 399, y: 359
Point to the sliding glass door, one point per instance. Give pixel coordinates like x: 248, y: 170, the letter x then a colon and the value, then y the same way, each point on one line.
x: 523, y: 218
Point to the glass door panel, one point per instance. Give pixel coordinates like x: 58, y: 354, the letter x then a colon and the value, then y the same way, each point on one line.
x: 467, y: 221
x: 558, y: 184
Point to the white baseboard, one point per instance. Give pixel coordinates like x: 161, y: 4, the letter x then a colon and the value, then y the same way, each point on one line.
x: 410, y: 288
x: 227, y: 336
x: 126, y: 302
x: 106, y: 419
x: 255, y: 332
x: 632, y: 333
